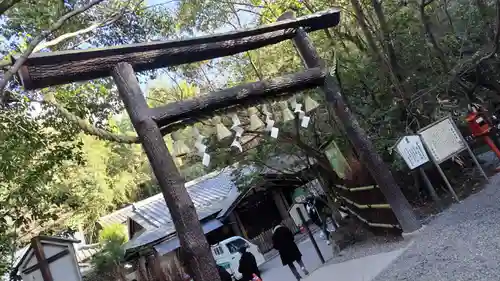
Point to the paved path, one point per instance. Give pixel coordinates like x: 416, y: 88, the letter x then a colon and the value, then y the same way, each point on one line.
x: 463, y: 243
x: 361, y: 269
x: 273, y: 270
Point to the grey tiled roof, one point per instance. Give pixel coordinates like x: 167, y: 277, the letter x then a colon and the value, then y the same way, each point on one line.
x: 211, y: 193
x: 119, y: 216
x: 206, y: 193
x: 85, y: 252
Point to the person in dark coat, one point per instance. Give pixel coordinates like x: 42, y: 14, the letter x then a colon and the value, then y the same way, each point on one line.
x: 284, y: 242
x: 224, y: 275
x: 248, y: 265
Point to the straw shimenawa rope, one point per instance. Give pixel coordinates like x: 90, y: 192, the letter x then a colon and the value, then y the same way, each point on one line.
x: 87, y: 127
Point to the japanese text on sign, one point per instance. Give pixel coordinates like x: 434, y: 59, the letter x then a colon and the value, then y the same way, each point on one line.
x: 412, y: 150
x: 442, y: 140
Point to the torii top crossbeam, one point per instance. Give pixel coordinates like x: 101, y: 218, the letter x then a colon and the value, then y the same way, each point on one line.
x: 48, y: 69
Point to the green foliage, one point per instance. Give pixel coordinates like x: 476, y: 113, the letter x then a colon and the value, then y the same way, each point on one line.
x: 31, y: 153
x: 111, y: 255
x: 114, y: 233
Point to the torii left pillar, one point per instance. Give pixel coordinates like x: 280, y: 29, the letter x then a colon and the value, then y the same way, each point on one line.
x: 194, y: 246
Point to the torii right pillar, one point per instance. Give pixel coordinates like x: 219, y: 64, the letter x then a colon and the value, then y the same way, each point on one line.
x: 358, y: 137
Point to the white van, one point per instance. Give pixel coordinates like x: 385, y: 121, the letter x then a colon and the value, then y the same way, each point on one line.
x: 226, y: 254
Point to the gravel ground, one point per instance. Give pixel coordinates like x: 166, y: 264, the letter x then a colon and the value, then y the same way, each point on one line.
x: 463, y: 243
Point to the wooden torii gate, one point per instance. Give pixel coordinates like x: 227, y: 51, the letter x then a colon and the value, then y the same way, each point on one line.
x: 48, y: 69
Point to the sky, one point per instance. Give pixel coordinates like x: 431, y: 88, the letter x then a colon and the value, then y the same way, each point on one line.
x: 213, y: 76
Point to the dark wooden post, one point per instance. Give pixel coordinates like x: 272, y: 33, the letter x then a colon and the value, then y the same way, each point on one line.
x: 43, y: 264
x: 358, y: 137
x: 311, y: 236
x: 187, y: 225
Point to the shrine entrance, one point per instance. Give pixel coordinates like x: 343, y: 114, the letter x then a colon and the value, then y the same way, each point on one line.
x: 48, y: 69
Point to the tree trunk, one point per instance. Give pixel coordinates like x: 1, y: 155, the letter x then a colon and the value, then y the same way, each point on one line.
x: 448, y: 17
x: 390, y: 64
x: 360, y: 17
x: 386, y: 40
x: 483, y: 10
x: 430, y: 35
x: 328, y: 34
x: 193, y: 242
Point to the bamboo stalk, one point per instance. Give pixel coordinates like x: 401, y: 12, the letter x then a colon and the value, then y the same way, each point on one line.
x: 354, y: 189
x: 371, y: 206
x: 373, y: 224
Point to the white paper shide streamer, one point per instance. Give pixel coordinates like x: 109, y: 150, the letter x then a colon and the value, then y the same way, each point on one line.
x: 235, y: 119
x: 309, y: 103
x: 238, y: 133
x: 200, y: 147
x: 285, y: 111
x: 297, y: 107
x: 221, y: 130
x: 304, y: 119
x: 198, y: 141
x: 179, y: 147
x: 270, y: 122
x: 255, y: 122
x: 266, y: 112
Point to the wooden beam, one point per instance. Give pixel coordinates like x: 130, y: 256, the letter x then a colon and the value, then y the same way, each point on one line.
x: 48, y: 69
x: 192, y: 240
x: 36, y: 244
x: 357, y: 135
x: 189, y: 111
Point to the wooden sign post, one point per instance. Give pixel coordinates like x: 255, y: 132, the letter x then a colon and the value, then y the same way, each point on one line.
x: 49, y: 259
x: 412, y: 150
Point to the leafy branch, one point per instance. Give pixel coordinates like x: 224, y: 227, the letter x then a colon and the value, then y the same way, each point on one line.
x: 7, y: 4
x: 9, y: 74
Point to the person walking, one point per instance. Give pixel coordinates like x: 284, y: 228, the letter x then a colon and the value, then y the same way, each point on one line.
x: 319, y: 212
x: 248, y: 265
x: 284, y: 242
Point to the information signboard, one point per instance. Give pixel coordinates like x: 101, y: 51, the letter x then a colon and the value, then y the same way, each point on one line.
x: 412, y: 150
x: 442, y: 140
